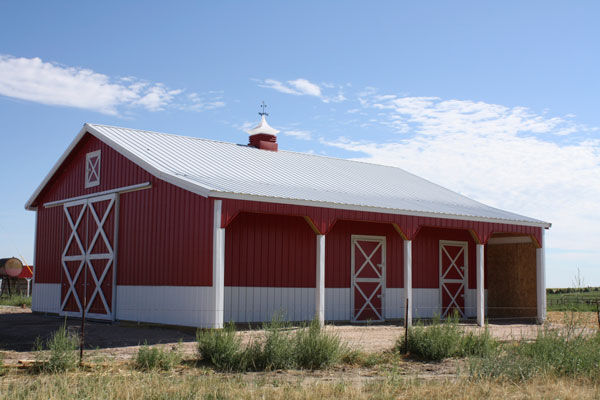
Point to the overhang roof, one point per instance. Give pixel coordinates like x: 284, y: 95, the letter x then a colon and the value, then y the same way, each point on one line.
x: 227, y: 170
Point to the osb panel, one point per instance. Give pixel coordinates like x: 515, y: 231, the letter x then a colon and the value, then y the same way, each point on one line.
x: 511, y: 280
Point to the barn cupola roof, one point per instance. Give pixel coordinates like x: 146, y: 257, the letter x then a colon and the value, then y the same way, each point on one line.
x: 263, y: 136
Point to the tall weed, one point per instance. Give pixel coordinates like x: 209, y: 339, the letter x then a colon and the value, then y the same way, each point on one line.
x: 59, y: 352
x: 222, y: 348
x: 316, y: 349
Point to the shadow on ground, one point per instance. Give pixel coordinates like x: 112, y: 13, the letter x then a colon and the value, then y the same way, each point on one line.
x: 19, y: 330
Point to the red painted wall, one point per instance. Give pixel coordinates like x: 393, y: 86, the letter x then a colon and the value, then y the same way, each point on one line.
x: 165, y: 233
x: 338, y: 258
x: 425, y: 256
x: 270, y: 250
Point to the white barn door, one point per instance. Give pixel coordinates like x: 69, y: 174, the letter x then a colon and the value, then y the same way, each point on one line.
x: 89, y: 257
x: 368, y: 278
x: 454, y: 258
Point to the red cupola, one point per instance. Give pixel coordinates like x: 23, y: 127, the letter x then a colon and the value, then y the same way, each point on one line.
x: 263, y: 136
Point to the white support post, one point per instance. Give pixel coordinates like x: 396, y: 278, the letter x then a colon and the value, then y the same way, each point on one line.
x: 320, y: 283
x: 540, y: 269
x: 218, y: 266
x: 480, y: 294
x: 408, y: 281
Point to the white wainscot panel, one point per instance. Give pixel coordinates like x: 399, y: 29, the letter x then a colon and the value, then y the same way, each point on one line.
x: 426, y: 303
x: 395, y: 303
x: 337, y: 304
x: 260, y: 304
x: 45, y: 297
x: 471, y: 302
x: 171, y: 305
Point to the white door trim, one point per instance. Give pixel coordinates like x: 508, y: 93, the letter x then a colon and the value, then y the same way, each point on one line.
x: 465, y: 274
x: 381, y: 272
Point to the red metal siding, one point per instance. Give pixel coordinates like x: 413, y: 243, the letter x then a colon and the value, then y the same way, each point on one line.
x: 165, y: 233
x: 426, y: 256
x: 337, y: 252
x: 270, y: 251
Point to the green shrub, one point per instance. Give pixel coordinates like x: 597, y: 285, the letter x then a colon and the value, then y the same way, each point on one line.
x: 2, y: 366
x: 277, y: 351
x: 222, y: 348
x: 444, y: 339
x: 315, y: 348
x: 309, y: 347
x: 152, y: 358
x: 61, y: 352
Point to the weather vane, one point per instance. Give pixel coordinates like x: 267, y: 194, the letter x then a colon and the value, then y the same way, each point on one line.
x: 263, y: 106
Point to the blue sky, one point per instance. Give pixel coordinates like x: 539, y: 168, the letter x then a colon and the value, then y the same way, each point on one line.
x: 498, y: 101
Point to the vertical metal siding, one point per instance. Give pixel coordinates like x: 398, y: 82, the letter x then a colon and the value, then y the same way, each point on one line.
x: 165, y: 232
x: 337, y: 252
x: 265, y: 250
x: 426, y: 255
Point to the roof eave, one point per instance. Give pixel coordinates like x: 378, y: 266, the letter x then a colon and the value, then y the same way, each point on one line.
x: 356, y: 207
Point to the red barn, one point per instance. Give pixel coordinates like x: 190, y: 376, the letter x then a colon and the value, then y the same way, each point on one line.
x: 146, y: 226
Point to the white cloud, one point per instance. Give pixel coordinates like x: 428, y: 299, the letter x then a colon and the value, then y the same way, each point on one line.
x: 304, y: 87
x: 509, y: 157
x: 303, y: 135
x: 49, y: 83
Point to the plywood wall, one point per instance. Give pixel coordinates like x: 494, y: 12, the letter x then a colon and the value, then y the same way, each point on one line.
x: 511, y: 280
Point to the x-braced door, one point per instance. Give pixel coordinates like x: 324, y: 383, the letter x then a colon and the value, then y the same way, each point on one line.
x: 454, y: 258
x: 368, y: 278
x: 89, y: 256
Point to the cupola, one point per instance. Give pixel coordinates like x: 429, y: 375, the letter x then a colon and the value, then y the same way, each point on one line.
x: 263, y: 136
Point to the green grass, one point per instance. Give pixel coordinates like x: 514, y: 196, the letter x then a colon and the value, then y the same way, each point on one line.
x: 16, y: 300
x: 575, y: 300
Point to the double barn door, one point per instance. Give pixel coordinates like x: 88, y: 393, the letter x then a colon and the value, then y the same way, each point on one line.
x: 89, y: 257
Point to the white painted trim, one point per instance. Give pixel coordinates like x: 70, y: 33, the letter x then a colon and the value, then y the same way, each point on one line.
x: 113, y: 301
x: 408, y: 281
x: 479, y: 253
x: 218, y: 266
x: 320, y: 282
x: 465, y: 274
x: 540, y: 269
x: 92, y: 168
x: 35, y: 241
x: 510, y: 240
x: 353, y: 207
x: 123, y: 189
x: 353, y: 286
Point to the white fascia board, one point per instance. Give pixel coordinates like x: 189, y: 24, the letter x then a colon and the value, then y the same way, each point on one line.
x: 310, y: 203
x: 167, y: 177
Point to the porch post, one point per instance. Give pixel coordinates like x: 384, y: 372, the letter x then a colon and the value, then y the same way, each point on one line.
x: 540, y: 269
x: 320, y: 282
x: 480, y: 293
x: 218, y: 266
x: 408, y: 281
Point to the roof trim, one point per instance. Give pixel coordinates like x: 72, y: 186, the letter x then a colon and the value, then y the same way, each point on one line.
x: 311, y: 203
x: 206, y: 191
x: 87, y: 128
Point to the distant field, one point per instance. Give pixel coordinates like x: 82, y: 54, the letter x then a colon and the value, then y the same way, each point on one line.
x: 573, y: 299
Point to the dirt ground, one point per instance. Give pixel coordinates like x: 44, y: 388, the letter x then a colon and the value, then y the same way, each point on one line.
x: 19, y: 328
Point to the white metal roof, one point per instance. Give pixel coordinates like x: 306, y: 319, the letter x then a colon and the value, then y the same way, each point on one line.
x: 228, y: 170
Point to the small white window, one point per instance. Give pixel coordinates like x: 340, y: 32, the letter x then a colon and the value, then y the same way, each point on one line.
x: 92, y: 169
